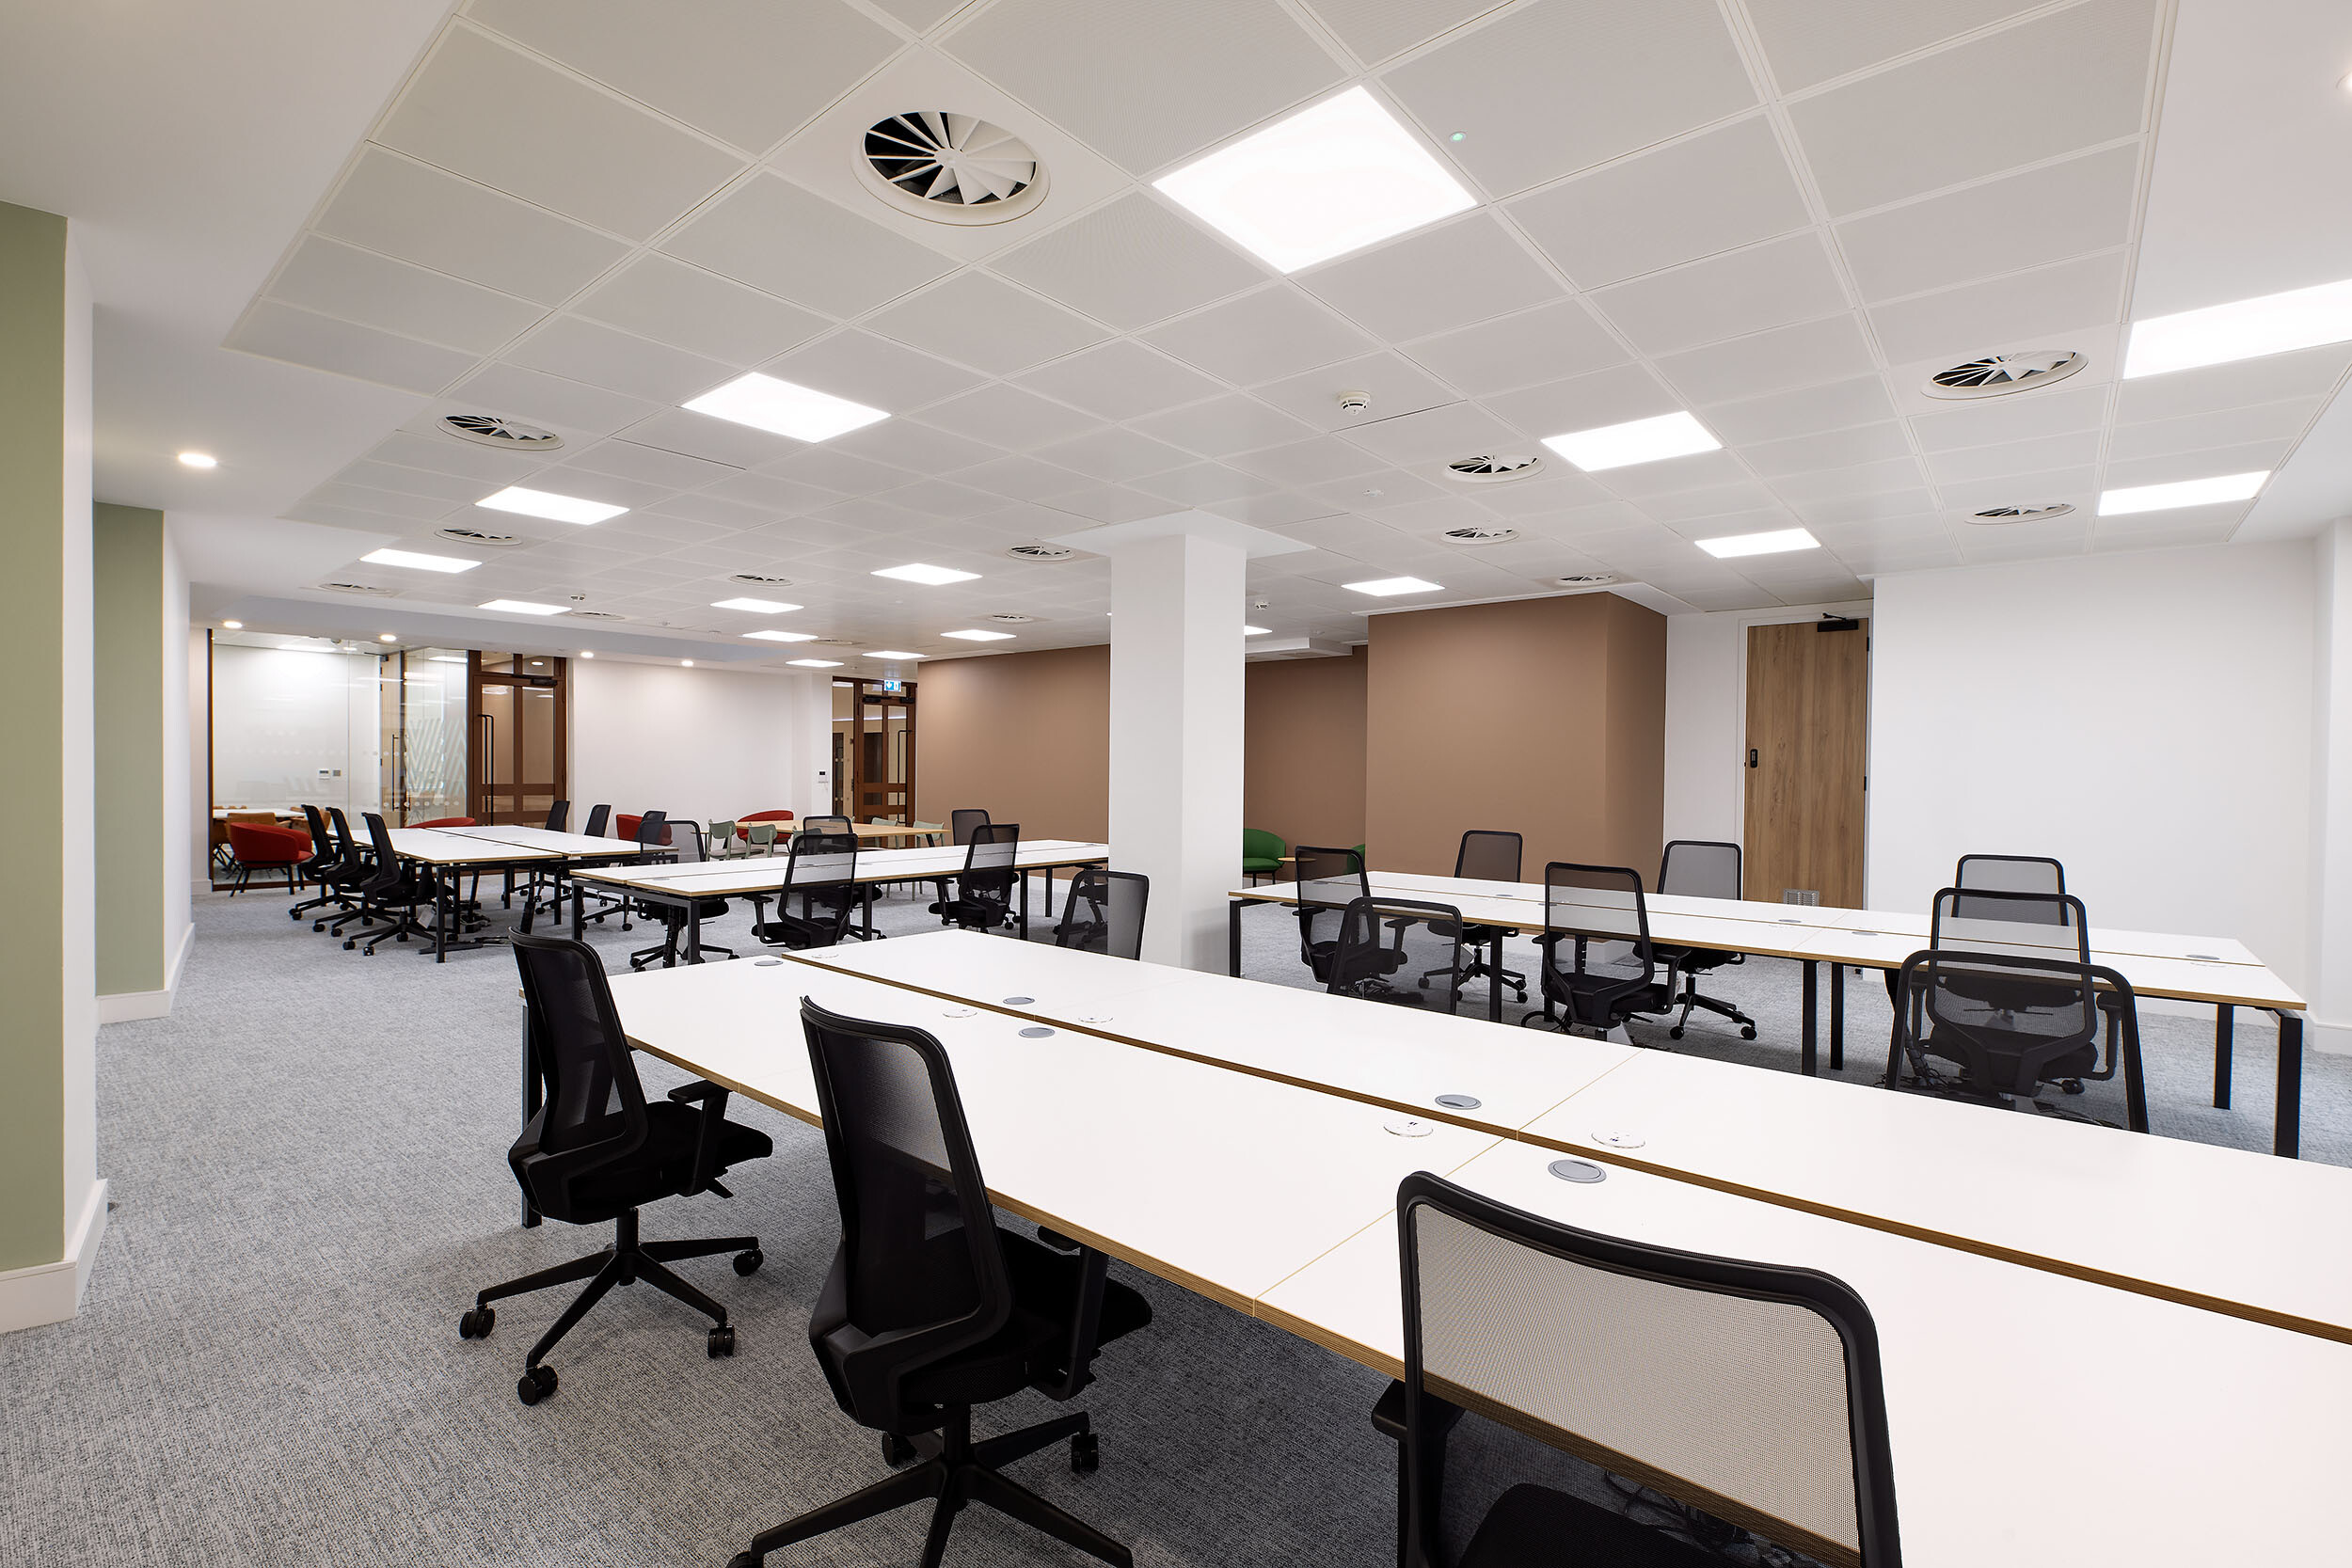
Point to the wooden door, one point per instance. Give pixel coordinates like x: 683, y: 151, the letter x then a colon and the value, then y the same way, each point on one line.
x: 1808, y: 693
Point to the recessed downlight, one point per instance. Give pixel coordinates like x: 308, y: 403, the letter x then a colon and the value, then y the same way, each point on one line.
x: 1256, y: 631
x: 233, y: 626
x: 387, y: 637
x: 548, y: 505
x: 199, y: 460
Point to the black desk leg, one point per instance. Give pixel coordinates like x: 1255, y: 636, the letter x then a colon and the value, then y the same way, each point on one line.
x: 1494, y: 981
x: 2286, y: 1134
x: 1837, y: 1018
x: 1024, y: 926
x: 1049, y: 893
x: 2224, y: 1045
x: 693, y: 931
x: 1233, y: 936
x: 1806, y: 1052
x: 441, y: 920
x: 531, y: 1098
x: 580, y: 912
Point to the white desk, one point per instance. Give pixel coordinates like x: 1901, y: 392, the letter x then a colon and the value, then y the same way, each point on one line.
x: 2034, y: 1419
x: 448, y: 853
x: 571, y: 846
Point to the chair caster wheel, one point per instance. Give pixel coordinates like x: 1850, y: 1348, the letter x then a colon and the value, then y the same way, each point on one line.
x: 1748, y: 1033
x: 721, y: 1342
x: 896, y: 1450
x: 535, y: 1385
x: 318, y: 925
x: 1086, y: 1454
x: 747, y: 1263
x: 1674, y: 1033
x: 350, y: 945
x: 744, y: 1560
x: 476, y: 1324
x: 1425, y: 985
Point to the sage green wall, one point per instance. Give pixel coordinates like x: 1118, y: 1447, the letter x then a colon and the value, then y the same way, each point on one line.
x: 127, y: 591
x: 33, y: 413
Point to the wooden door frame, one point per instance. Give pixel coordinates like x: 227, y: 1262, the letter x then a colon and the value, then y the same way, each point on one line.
x: 1741, y: 620
x: 477, y: 779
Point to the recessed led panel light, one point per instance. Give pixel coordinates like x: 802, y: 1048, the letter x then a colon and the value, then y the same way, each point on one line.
x: 1383, y: 587
x: 2243, y: 329
x: 780, y: 636
x: 200, y: 460
x: 767, y: 404
x: 524, y: 607
x: 546, y: 503
x: 416, y: 562
x: 977, y: 636
x: 934, y: 575
x: 757, y: 607
x: 1621, y: 446
x: 445, y: 658
x: 1255, y: 631
x: 815, y: 663
x: 1774, y: 543
x: 1328, y: 179
x: 890, y: 653
x: 2186, y: 492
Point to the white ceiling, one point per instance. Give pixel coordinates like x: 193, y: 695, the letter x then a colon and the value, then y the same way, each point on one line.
x: 1782, y: 215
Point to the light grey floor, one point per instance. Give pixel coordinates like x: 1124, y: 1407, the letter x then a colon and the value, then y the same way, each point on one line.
x: 307, y: 1160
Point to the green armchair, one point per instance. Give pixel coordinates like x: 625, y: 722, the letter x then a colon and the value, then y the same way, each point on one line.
x: 1261, y: 854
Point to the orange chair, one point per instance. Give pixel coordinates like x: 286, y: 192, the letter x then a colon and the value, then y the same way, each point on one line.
x: 265, y: 846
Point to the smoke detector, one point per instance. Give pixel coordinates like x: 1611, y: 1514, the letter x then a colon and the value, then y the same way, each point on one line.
x: 1995, y: 515
x: 1039, y: 552
x: 368, y: 588
x: 1492, y: 469
x: 1009, y: 618
x: 951, y: 167
x: 1354, y: 403
x: 477, y: 537
x: 1479, y: 534
x: 1587, y: 579
x: 1999, y: 374
x: 492, y: 430
x: 761, y: 578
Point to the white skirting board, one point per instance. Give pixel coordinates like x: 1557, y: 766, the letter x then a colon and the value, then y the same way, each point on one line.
x: 52, y: 1292
x: 125, y: 1005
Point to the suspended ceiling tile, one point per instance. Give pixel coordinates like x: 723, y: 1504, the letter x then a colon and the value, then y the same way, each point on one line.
x: 656, y: 296
x: 1436, y: 280
x: 1120, y: 380
x: 618, y: 361
x: 2014, y: 417
x: 1006, y: 417
x: 1831, y: 449
x: 876, y: 371
x: 1834, y: 405
x: 1960, y: 324
x: 1830, y: 349
x: 787, y: 241
x: 2077, y: 449
x: 1810, y: 43
x: 2308, y: 372
x: 1549, y: 343
x: 1613, y: 396
x: 338, y: 280
x: 983, y: 322
x: 1130, y: 263
x: 2023, y: 221
x: 1224, y: 425
x: 297, y: 337
x: 1775, y: 284
x: 1260, y: 337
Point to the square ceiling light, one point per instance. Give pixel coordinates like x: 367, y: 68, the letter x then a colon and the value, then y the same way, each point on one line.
x: 416, y: 562
x: 2186, y: 492
x: 890, y: 653
x: 781, y: 636
x: 1778, y: 542
x: 1384, y: 587
x: 524, y: 607
x: 1621, y: 446
x: 785, y: 408
x: 814, y: 663
x: 756, y: 607
x: 976, y: 635
x: 2243, y: 329
x: 1328, y: 179
x: 934, y: 577
x: 1256, y: 631
x: 548, y: 505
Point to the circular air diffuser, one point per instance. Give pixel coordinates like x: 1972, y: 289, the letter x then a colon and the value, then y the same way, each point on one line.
x: 1039, y: 552
x: 1009, y: 618
x: 1492, y: 469
x: 1999, y: 374
x: 490, y: 429
x: 1587, y: 579
x: 951, y: 167
x: 1479, y: 534
x: 760, y: 578
x: 477, y: 537
x: 597, y: 616
x: 1994, y: 517
x: 367, y: 588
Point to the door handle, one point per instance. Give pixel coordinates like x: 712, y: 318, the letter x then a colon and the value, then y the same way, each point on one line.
x: 1751, y: 757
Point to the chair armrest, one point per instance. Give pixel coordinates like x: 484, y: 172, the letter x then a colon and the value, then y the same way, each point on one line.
x: 714, y: 1103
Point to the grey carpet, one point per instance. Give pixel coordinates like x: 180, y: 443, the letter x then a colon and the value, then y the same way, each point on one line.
x: 308, y: 1156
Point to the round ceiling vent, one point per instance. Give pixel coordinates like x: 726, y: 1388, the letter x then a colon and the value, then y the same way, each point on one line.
x: 1993, y: 517
x: 761, y: 578
x: 951, y: 167
x: 1587, y: 579
x: 367, y: 588
x: 597, y: 616
x: 1039, y: 552
x: 1479, y: 534
x: 1010, y: 619
x: 476, y: 537
x: 1492, y: 469
x: 1999, y: 374
x: 490, y: 430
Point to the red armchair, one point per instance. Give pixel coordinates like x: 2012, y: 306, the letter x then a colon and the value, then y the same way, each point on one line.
x: 742, y: 824
x: 448, y: 822
x: 262, y: 846
x: 626, y: 825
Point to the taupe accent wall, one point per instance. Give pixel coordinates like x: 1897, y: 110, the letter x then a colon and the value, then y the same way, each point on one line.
x: 1303, y: 749
x: 1024, y: 736
x: 1547, y: 717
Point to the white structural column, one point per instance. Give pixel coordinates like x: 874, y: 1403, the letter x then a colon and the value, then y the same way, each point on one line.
x: 1177, y: 601
x: 2330, y: 988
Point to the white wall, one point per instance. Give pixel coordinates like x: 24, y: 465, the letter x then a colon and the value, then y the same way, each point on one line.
x: 699, y: 743
x: 2146, y: 717
x: 2331, y: 987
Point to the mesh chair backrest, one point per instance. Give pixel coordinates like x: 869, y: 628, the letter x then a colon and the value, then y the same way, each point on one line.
x: 1328, y: 878
x: 1105, y: 913
x: 1488, y: 855
x: 820, y: 864
x: 1602, y: 902
x: 654, y: 828
x: 1750, y: 1390
x: 1993, y: 922
x: 963, y: 824
x: 988, y: 873
x: 1362, y: 953
x: 597, y: 816
x: 557, y: 815
x: 825, y: 825
x: 2010, y: 874
x: 320, y: 846
x: 1996, y: 1005
x: 343, y: 834
x: 1700, y: 868
x: 918, y: 1239
x: 593, y: 1094
x: 687, y: 839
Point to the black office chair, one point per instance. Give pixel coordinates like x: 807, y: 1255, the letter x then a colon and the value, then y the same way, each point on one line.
x: 597, y: 1152
x: 1588, y: 904
x: 653, y: 831
x: 597, y: 817
x: 2005, y: 874
x: 983, y: 896
x: 1327, y: 881
x: 557, y: 815
x: 821, y: 870
x: 393, y: 890
x: 1360, y: 964
x: 827, y: 825
x: 962, y: 822
x: 1485, y: 855
x: 931, y: 1308
x: 1752, y: 1390
x: 355, y: 866
x: 1702, y: 868
x: 686, y: 843
x: 1104, y: 913
x: 321, y: 868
